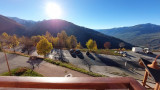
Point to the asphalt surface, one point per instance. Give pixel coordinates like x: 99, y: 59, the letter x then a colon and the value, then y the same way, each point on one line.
x: 14, y: 61
x: 109, y: 65
x: 99, y: 63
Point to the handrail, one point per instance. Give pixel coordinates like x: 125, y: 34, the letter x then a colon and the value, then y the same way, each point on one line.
x: 99, y: 83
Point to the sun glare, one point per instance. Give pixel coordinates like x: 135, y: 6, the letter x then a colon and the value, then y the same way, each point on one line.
x: 53, y: 10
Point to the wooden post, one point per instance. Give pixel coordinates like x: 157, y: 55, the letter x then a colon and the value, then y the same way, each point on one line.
x: 157, y: 87
x: 145, y: 78
x: 7, y: 63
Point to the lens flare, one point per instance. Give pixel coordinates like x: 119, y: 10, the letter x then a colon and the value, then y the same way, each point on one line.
x: 53, y: 10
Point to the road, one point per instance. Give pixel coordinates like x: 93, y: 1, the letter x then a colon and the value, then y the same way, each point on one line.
x: 14, y: 61
x: 105, y: 64
x: 40, y: 66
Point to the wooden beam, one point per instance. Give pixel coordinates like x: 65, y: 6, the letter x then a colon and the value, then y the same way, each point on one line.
x: 70, y: 82
x: 145, y: 78
x: 157, y: 87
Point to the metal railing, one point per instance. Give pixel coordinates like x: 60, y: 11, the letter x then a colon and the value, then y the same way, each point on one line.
x: 99, y: 83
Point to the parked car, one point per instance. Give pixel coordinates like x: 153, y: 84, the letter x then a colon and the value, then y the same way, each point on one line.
x: 87, y: 53
x: 77, y: 51
x: 72, y: 51
x: 147, y: 51
x: 124, y: 54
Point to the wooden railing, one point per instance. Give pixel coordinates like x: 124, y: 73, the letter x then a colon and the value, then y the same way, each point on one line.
x: 99, y: 83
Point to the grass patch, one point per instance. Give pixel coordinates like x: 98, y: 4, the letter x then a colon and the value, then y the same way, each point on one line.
x: 104, y: 51
x: 119, y: 74
x: 72, y: 67
x: 22, y: 71
x: 17, y: 53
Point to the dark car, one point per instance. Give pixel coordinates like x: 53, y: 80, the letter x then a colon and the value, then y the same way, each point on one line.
x: 87, y: 53
x: 77, y: 51
x: 149, y: 53
x: 124, y: 54
x: 72, y: 51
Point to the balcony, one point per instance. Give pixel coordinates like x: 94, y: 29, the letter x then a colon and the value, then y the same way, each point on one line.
x: 98, y: 83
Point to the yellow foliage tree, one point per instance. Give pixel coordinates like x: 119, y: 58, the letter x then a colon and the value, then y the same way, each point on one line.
x: 73, y: 41
x: 64, y: 38
x: 94, y: 45
x: 90, y: 44
x: 14, y: 41
x: 48, y: 36
x: 5, y: 39
x: 79, y: 46
x: 36, y: 39
x: 44, y: 47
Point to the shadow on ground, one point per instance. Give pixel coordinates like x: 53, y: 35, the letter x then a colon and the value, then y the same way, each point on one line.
x: 150, y: 55
x: 91, y: 56
x: 35, y: 62
x: 80, y: 55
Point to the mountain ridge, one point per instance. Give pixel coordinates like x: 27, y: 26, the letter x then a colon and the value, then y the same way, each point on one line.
x: 139, y: 35
x: 10, y: 26
x: 83, y: 34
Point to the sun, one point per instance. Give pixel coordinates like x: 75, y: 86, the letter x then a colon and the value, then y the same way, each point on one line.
x: 53, y: 10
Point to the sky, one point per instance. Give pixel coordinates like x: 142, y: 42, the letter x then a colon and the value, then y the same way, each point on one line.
x: 94, y: 14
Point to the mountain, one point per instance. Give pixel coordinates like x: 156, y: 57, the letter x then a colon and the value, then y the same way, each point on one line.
x: 55, y: 26
x: 10, y: 26
x: 26, y: 23
x: 141, y: 35
x: 83, y: 34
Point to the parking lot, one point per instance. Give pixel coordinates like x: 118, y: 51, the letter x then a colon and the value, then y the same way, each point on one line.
x: 108, y: 65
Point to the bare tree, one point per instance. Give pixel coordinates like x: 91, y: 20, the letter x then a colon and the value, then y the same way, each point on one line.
x: 121, y: 45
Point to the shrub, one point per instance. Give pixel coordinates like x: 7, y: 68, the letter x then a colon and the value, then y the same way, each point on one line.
x: 20, y: 71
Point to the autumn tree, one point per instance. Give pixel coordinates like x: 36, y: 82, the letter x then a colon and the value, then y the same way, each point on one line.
x: 28, y: 44
x: 79, y: 46
x: 107, y: 45
x: 55, y: 42
x: 21, y: 40
x: 59, y: 40
x: 44, y: 47
x: 94, y: 45
x: 90, y: 44
x: 73, y: 41
x: 36, y: 39
x: 5, y: 39
x: 14, y: 41
x: 64, y: 38
x: 48, y: 36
